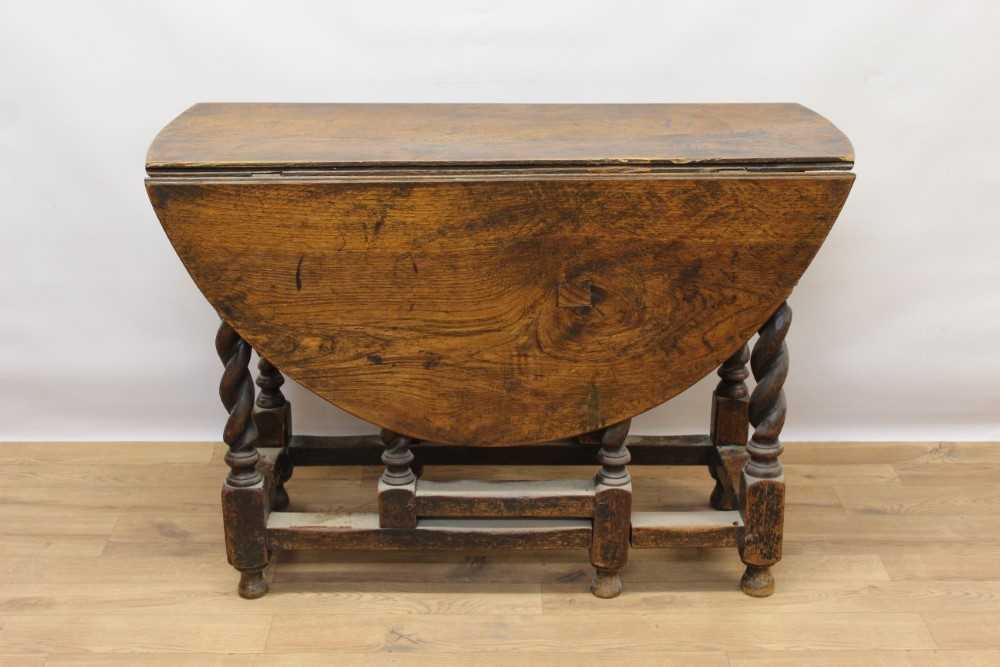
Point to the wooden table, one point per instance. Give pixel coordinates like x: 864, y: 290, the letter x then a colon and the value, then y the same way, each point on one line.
x: 505, y: 284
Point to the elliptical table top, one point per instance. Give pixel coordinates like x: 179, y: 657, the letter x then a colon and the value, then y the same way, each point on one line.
x: 496, y: 274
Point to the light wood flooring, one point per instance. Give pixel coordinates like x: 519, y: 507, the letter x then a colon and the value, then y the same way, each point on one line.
x: 112, y: 554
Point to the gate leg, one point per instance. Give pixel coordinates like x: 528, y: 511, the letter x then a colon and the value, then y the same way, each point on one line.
x: 763, y: 485
x: 612, y: 512
x: 244, y: 498
x: 730, y: 403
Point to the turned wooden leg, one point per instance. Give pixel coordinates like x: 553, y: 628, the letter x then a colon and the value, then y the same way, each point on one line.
x: 397, y: 488
x: 763, y: 484
x: 244, y: 498
x: 730, y: 420
x: 612, y: 512
x: 273, y: 418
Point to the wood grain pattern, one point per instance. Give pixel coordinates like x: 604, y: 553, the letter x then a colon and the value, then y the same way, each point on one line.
x: 431, y: 307
x: 246, y: 494
x: 324, y: 135
x: 746, y: 630
x: 685, y: 529
x: 154, y: 589
x: 729, y: 423
x: 466, y: 498
x: 295, y: 530
x: 272, y: 415
x: 762, y: 487
x: 498, y: 275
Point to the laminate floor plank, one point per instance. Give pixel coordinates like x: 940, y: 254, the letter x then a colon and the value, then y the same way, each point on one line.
x: 922, y: 500
x: 340, y: 659
x: 964, y: 630
x: 187, y: 597
x: 122, y: 632
x: 553, y: 658
x: 112, y: 554
x: 670, y: 631
x: 934, y: 658
x: 942, y: 562
x: 101, y: 453
x: 794, y: 596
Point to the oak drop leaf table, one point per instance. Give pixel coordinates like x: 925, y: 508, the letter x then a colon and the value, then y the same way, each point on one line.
x: 501, y: 284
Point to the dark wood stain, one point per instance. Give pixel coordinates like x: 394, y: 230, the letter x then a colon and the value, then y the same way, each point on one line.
x: 578, y: 264
x: 670, y: 305
x: 297, y: 136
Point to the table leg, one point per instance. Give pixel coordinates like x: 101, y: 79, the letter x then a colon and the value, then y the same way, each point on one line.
x: 273, y: 419
x: 763, y: 484
x: 244, y: 498
x: 730, y: 420
x: 397, y: 488
x: 612, y: 512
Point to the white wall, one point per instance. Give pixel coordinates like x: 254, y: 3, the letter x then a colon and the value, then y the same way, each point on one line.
x: 897, y: 329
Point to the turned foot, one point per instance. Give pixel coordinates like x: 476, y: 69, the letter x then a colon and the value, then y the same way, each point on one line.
x: 722, y: 499
x: 252, y: 585
x: 606, y: 584
x: 757, y: 581
x: 281, y: 500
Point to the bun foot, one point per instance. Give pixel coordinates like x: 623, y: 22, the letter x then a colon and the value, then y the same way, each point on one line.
x: 757, y: 581
x: 606, y: 584
x: 281, y: 500
x: 252, y: 585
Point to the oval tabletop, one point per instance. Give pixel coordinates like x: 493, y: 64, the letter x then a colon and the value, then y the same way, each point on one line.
x: 494, y: 306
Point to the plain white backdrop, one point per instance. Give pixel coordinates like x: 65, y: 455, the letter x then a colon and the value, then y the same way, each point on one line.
x: 897, y: 322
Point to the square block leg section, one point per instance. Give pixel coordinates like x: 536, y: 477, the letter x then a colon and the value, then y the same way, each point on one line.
x: 612, y: 511
x: 760, y: 546
x: 397, y: 505
x: 610, y: 540
x: 244, y: 513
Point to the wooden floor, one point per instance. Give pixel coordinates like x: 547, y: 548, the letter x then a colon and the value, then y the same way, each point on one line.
x: 112, y: 554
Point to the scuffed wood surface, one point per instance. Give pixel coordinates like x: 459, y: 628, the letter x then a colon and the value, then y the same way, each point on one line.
x: 685, y: 529
x: 529, y: 498
x: 295, y: 531
x: 432, y: 308
x: 324, y: 135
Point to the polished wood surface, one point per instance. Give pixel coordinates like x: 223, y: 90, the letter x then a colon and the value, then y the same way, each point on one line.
x: 497, y: 274
x: 309, y: 136
x: 500, y: 275
x: 494, y: 310
x: 112, y: 556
